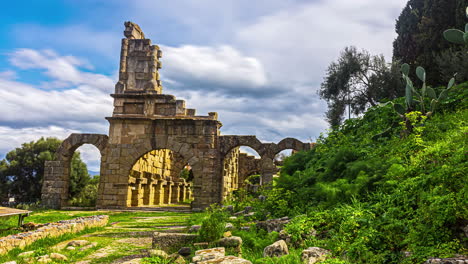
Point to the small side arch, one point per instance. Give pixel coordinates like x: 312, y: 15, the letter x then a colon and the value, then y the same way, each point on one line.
x: 57, y: 173
x: 228, y: 143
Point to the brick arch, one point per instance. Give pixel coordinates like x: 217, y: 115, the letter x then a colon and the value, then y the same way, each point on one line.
x: 57, y: 172
x: 227, y: 143
x: 138, y: 150
x: 71, y: 143
x: 184, y: 150
x: 287, y: 143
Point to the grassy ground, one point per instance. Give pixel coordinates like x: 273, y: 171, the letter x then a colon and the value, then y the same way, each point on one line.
x: 128, y: 233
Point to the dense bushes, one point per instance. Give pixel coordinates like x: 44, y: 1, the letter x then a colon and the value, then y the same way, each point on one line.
x: 371, y: 196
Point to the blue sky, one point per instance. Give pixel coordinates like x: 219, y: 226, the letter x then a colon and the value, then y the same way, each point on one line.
x: 258, y: 64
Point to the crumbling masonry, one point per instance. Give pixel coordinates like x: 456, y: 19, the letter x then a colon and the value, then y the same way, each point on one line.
x: 153, y: 137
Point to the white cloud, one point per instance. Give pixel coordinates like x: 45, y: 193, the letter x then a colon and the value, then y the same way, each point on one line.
x: 221, y: 66
x: 30, y: 112
x: 11, y: 138
x: 63, y: 69
x: 298, y: 43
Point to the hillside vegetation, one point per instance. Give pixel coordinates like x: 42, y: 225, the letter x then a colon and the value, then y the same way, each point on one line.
x: 375, y: 197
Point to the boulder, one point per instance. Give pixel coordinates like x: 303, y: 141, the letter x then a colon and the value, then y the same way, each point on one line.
x: 185, y: 251
x: 233, y: 241
x: 273, y: 224
x: 313, y: 255
x: 57, y: 256
x: 44, y: 259
x: 245, y: 228
x: 277, y: 249
x: 10, y: 262
x: 26, y: 254
x: 216, y: 255
x: 208, y: 254
x: 70, y: 248
x: 78, y: 243
x: 233, y: 218
x: 158, y: 253
x: 229, y: 226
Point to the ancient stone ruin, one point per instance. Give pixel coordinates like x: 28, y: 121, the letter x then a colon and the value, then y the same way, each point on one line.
x: 153, y: 138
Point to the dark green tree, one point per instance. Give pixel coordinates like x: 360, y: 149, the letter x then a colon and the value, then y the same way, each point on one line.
x: 23, y: 169
x: 420, y: 40
x: 357, y: 81
x: 79, y: 176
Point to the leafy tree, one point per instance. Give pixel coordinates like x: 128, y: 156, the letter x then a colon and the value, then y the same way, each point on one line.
x: 420, y: 28
x: 23, y: 169
x: 79, y: 176
x: 358, y: 80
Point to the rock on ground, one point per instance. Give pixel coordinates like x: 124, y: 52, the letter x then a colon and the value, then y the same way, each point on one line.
x: 233, y: 241
x: 44, y: 259
x: 26, y: 254
x: 57, y: 256
x: 185, y: 251
x: 277, y: 249
x: 313, y: 255
x: 78, y: 243
x: 158, y: 253
x: 207, y: 254
x: 273, y: 224
x: 216, y: 255
x: 88, y: 246
x: 457, y: 260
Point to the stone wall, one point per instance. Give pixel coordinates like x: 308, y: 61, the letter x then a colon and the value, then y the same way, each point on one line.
x: 56, y: 229
x: 231, y: 172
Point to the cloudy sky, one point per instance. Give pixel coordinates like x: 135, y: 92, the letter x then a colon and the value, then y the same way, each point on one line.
x: 258, y: 63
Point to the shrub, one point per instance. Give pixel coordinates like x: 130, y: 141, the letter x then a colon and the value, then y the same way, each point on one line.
x: 213, y: 225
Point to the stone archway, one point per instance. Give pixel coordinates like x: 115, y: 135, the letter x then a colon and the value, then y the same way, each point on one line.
x: 145, y: 119
x: 154, y: 180
x: 57, y: 173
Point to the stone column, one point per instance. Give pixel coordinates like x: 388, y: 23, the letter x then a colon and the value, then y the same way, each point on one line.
x: 175, y: 198
x: 268, y: 169
x: 183, y: 191
x: 148, y: 190
x: 168, y: 192
x: 159, y: 192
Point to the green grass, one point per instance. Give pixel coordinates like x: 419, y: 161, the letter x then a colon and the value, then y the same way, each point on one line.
x: 127, y: 233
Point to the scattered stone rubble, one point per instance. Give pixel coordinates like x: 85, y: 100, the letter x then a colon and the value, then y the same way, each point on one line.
x: 170, y: 241
x: 457, y: 260
x: 216, y: 255
x: 273, y: 224
x: 56, y: 229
